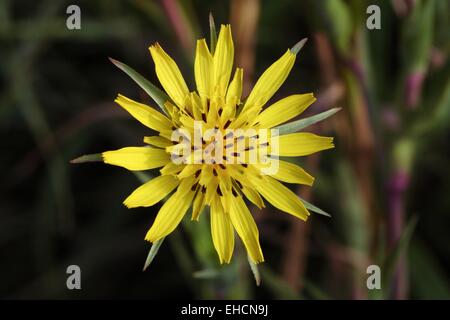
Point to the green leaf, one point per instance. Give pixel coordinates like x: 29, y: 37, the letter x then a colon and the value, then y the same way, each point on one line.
x: 213, y: 33
x: 95, y: 157
x: 297, y: 125
x: 154, y: 92
x: 152, y: 253
x: 255, y: 271
x: 315, y: 209
x: 400, y: 248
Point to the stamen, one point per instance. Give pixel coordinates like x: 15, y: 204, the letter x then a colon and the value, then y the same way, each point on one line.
x: 197, y: 173
x: 222, y: 166
x: 219, y: 192
x: 214, y: 172
x: 227, y: 124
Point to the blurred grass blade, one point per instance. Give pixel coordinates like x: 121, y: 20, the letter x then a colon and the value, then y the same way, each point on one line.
x: 213, y: 33
x: 315, y: 209
x: 297, y: 125
x: 277, y: 286
x: 95, y: 157
x: 143, y: 176
x: 255, y: 271
x: 401, y: 247
x: 206, y: 274
x: 152, y: 253
x: 159, y: 96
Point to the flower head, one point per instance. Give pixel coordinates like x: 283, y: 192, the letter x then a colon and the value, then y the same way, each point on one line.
x: 215, y: 148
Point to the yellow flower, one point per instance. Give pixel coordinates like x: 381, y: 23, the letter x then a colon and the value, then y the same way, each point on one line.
x: 217, y: 172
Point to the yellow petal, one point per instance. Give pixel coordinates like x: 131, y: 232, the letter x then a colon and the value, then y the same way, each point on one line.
x: 291, y: 173
x: 203, y: 69
x: 158, y: 141
x: 270, y: 81
x: 223, y: 60
x: 169, y: 75
x: 137, y: 158
x: 169, y: 216
x: 235, y: 89
x: 253, y: 196
x: 198, y: 205
x: 302, y: 144
x: 284, y: 110
x: 171, y: 168
x: 151, y: 192
x: 281, y: 197
x: 144, y: 114
x: 246, y: 228
x: 233, y: 97
x: 222, y: 232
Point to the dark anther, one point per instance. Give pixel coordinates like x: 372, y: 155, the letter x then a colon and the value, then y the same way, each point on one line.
x: 228, y: 135
x: 197, y: 173
x: 244, y: 165
x: 239, y: 184
x: 220, y: 111
x: 214, y: 172
x: 234, y: 192
x: 219, y: 192
x: 227, y: 124
x: 203, y: 189
x: 249, y: 148
x: 203, y: 117
x: 222, y: 166
x: 235, y: 154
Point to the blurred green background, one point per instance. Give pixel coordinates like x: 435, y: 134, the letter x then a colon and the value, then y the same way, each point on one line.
x: 386, y: 184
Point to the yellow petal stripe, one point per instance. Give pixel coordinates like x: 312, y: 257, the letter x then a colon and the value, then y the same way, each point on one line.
x: 137, y: 158
x: 246, y: 228
x: 203, y: 68
x: 291, y: 173
x: 302, y: 144
x: 169, y: 75
x: 151, y: 192
x: 223, y: 60
x: 270, y: 81
x: 169, y: 216
x: 158, y: 141
x: 284, y: 110
x: 222, y: 232
x: 281, y: 197
x: 145, y: 114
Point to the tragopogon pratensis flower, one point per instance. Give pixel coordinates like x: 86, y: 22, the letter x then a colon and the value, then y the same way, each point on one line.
x: 215, y: 148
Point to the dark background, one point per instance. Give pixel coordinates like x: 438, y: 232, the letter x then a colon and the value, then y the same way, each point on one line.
x: 390, y: 167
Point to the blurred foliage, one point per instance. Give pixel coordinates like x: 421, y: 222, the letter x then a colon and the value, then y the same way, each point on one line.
x: 391, y: 161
